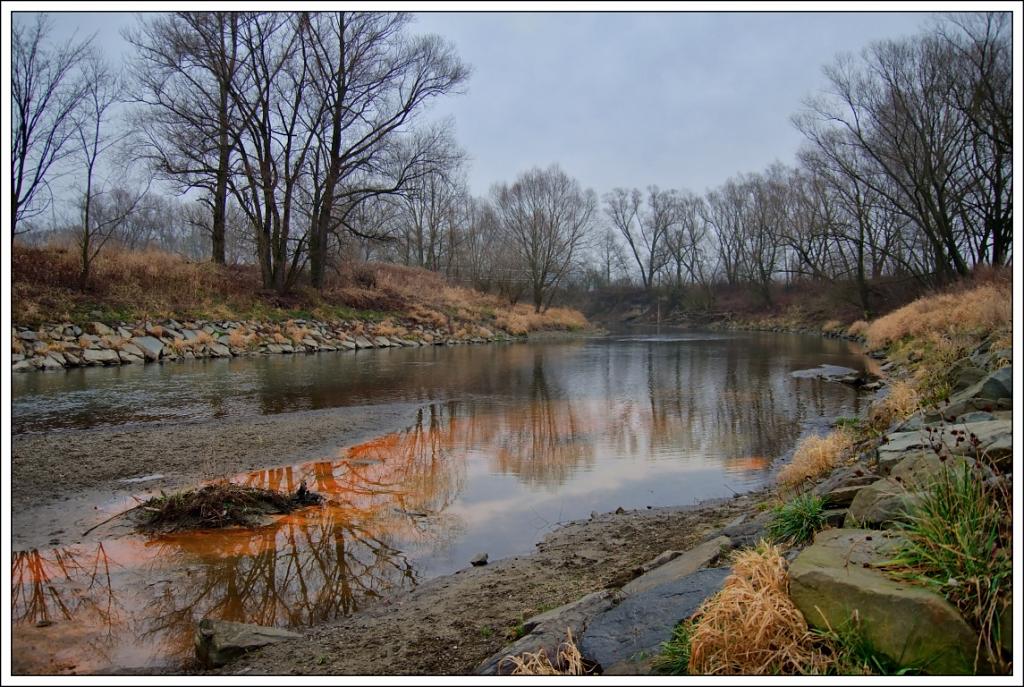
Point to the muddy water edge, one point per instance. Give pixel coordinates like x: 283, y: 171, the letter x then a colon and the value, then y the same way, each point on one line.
x: 464, y: 450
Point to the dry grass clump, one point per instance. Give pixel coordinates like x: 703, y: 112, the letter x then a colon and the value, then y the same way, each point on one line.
x: 831, y: 326
x: 521, y: 319
x: 815, y: 456
x: 568, y: 661
x: 389, y: 328
x: 901, y: 402
x: 17, y: 346
x: 751, y: 627
x: 240, y: 337
x: 294, y: 333
x: 858, y: 328
x: 202, y: 338
x: 987, y: 307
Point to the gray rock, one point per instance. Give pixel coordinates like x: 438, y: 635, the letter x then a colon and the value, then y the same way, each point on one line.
x: 275, y: 348
x: 382, y: 342
x: 150, y: 346
x: 898, y: 445
x: 688, y: 563
x: 748, y: 532
x: 23, y: 366
x: 132, y: 349
x: 27, y: 335
x: 881, y: 504
x: 100, y: 357
x: 996, y: 386
x: 548, y: 630
x: 479, y: 559
x: 363, y: 342
x: 99, y: 329
x: 219, y: 350
x: 218, y: 642
x: 643, y: 621
x: 835, y: 578
x: 346, y: 344
x: 189, y: 334
x: 50, y: 363
x: 920, y: 471
x: 129, y: 359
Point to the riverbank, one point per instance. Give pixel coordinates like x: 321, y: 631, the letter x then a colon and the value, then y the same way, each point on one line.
x: 151, y: 306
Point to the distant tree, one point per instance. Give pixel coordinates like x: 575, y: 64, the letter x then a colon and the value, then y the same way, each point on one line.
x: 546, y: 216
x: 644, y: 226
x: 47, y: 90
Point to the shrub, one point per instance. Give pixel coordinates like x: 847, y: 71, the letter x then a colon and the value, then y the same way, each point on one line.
x: 796, y: 522
x: 814, y: 457
x: 958, y: 541
x: 751, y: 627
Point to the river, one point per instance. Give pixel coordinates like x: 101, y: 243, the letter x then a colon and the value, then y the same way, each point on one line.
x: 497, y: 445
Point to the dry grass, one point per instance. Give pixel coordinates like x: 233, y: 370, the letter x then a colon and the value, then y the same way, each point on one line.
x: 568, y: 661
x: 858, y: 328
x: 901, y: 402
x: 983, y: 308
x: 751, y: 627
x: 831, y: 326
x: 389, y: 328
x: 815, y: 456
x: 295, y: 333
x: 17, y: 346
x: 240, y: 337
x: 202, y: 338
x: 152, y: 285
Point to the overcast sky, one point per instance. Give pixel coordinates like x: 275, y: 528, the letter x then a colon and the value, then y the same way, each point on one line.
x: 681, y: 100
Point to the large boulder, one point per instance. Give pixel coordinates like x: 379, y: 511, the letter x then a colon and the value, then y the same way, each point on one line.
x: 548, y: 630
x: 99, y: 329
x: 219, y: 641
x: 996, y: 386
x: 920, y: 470
x: 835, y: 579
x: 639, y: 625
x: 881, y: 504
x: 150, y: 346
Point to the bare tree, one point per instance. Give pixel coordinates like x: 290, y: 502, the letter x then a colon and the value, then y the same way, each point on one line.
x: 185, y: 67
x: 100, y: 218
x: 546, y: 216
x: 369, y: 80
x: 47, y: 90
x: 645, y: 229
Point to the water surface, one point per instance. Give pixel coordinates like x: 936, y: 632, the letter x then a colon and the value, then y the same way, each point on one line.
x: 507, y: 442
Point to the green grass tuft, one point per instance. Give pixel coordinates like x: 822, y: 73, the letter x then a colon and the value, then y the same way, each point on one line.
x: 796, y: 522
x: 958, y: 541
x: 674, y: 658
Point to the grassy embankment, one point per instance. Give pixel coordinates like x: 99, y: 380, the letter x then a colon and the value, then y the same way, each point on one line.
x: 132, y: 286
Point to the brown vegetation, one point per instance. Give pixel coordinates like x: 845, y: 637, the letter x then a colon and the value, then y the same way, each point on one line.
x: 132, y: 285
x: 751, y: 627
x: 568, y: 661
x: 815, y: 456
x: 966, y: 310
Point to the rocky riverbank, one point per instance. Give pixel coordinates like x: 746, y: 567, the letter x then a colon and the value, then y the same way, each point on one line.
x: 66, y: 345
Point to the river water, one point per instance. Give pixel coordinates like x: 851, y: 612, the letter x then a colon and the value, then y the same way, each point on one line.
x: 505, y: 442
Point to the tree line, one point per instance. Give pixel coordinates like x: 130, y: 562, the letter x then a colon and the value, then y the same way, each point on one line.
x: 298, y: 141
